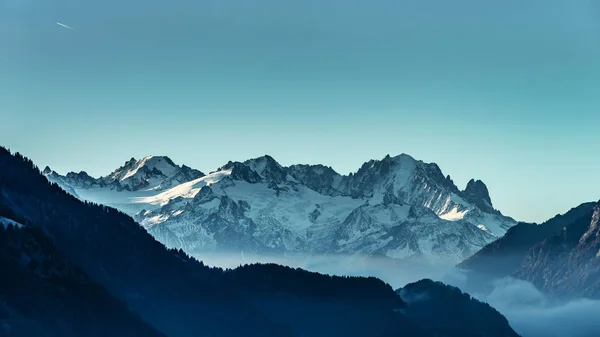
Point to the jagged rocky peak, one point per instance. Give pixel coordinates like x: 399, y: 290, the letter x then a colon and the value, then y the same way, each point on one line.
x: 401, y: 164
x: 382, y: 167
x: 374, y: 173
x: 268, y: 168
x: 317, y: 170
x: 240, y: 171
x: 476, y: 192
x: 152, y: 170
x: 188, y: 170
x: 402, y: 176
x: 320, y: 178
x: 130, y: 162
x: 184, y: 174
x: 156, y: 172
x: 205, y: 195
x: 149, y: 164
x: 46, y: 171
x: 433, y: 172
x: 142, y: 173
x: 83, y: 176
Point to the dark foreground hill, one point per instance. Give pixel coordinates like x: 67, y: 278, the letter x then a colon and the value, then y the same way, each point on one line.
x: 45, y: 296
x: 446, y: 311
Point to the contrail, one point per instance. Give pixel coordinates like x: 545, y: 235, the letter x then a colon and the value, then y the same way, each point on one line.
x: 67, y: 27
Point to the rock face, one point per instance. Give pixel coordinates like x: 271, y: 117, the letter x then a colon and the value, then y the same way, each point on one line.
x: 397, y: 207
x: 477, y: 193
x: 560, y: 256
x: 567, y: 263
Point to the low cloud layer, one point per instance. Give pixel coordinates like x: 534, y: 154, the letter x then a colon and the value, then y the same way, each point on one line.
x: 530, y: 313
x: 533, y: 314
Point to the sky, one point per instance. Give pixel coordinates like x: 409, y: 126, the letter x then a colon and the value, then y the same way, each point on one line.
x: 503, y: 91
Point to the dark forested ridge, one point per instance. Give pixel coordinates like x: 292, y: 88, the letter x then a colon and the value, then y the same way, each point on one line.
x: 261, y: 278
x: 447, y: 311
x: 43, y: 295
x: 177, y: 295
x: 323, y: 305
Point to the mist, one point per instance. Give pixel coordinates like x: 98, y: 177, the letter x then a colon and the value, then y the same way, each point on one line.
x: 396, y: 272
x: 529, y: 312
x: 533, y: 314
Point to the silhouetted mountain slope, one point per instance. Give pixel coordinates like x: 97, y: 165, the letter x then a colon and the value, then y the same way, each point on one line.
x: 42, y: 295
x: 504, y: 256
x: 321, y: 305
x: 175, y: 294
x: 446, y: 311
x: 559, y: 256
x: 567, y: 263
x: 260, y: 278
x: 180, y: 296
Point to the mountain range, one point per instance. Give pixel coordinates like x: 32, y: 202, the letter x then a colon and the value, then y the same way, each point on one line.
x: 397, y: 207
x: 75, y: 266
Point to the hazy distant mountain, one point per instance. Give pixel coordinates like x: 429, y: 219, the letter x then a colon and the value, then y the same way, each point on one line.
x: 398, y: 207
x: 175, y: 294
x: 560, y: 256
x: 568, y: 262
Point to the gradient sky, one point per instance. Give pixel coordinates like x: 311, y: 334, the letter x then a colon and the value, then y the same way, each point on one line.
x: 504, y: 91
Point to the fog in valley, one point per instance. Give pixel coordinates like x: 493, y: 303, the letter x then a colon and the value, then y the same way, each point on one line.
x: 530, y: 312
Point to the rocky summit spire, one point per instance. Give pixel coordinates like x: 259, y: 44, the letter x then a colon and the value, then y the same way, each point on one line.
x: 476, y: 192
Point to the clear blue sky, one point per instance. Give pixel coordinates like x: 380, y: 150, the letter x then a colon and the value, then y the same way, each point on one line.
x: 504, y: 91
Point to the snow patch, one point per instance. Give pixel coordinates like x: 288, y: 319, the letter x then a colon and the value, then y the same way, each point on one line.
x: 186, y: 190
x: 8, y: 222
x: 454, y: 214
x: 151, y: 162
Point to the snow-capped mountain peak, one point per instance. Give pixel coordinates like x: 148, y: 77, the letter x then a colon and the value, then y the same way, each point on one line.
x: 240, y: 171
x: 151, y: 172
x: 136, y: 173
x: 268, y: 169
x: 381, y: 176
